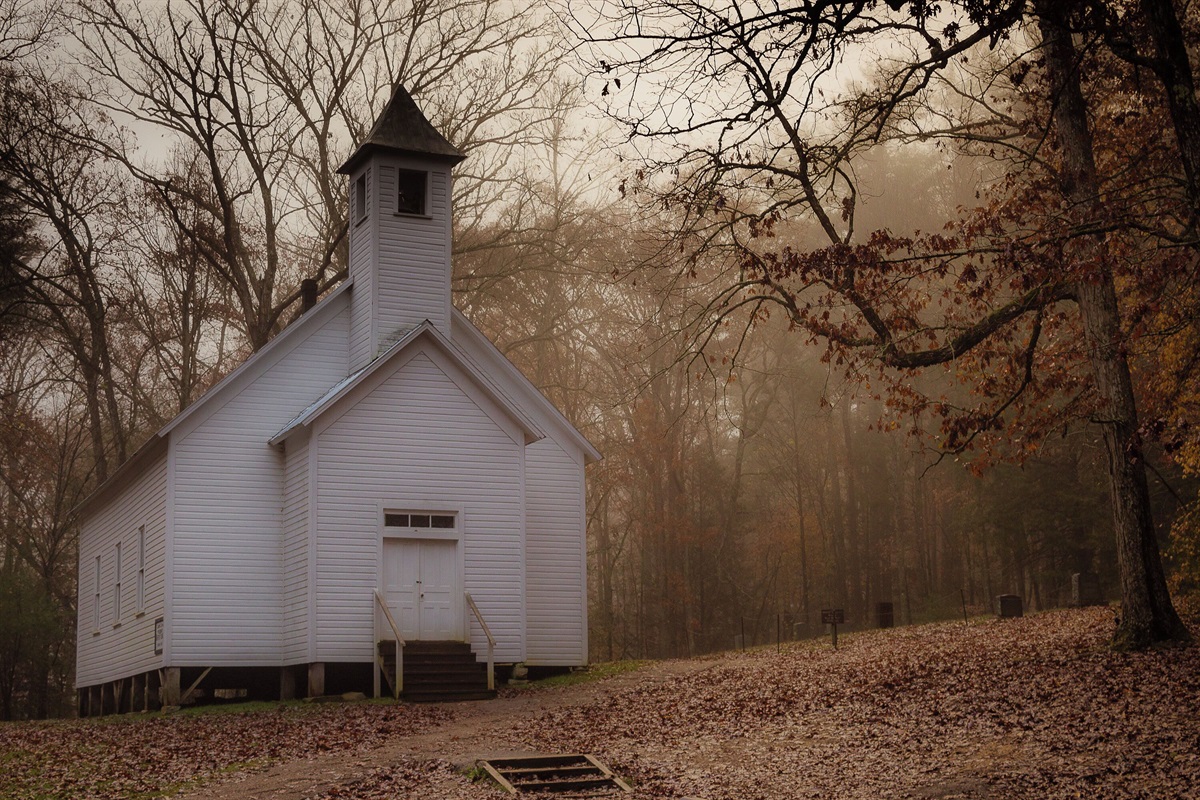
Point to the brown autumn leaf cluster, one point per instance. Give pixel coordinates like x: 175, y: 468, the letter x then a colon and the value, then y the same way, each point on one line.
x: 1035, y: 707
x: 117, y: 757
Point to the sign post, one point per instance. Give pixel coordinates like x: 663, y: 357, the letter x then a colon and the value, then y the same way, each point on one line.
x: 834, y: 617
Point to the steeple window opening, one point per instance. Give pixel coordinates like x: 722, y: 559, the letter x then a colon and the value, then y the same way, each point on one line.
x: 411, y: 188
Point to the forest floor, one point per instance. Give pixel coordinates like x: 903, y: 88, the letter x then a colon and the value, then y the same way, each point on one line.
x: 1033, y: 707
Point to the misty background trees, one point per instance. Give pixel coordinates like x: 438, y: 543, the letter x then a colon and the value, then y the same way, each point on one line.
x: 167, y: 179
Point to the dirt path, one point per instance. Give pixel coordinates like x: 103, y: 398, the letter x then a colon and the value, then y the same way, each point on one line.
x: 478, y: 729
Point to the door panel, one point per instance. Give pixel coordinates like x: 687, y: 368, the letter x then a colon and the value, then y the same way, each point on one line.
x: 401, y: 581
x: 420, y: 579
x: 439, y: 574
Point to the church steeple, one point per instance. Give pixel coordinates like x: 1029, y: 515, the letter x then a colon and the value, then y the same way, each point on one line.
x: 400, y: 228
x: 402, y: 128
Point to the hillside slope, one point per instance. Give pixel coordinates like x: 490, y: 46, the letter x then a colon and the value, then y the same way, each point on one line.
x: 1034, y: 707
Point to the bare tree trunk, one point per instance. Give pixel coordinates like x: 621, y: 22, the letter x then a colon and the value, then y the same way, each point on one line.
x: 799, y: 489
x: 857, y: 520
x: 1147, y: 613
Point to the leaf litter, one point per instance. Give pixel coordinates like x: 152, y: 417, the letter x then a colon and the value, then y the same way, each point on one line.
x: 152, y: 755
x: 1032, y: 707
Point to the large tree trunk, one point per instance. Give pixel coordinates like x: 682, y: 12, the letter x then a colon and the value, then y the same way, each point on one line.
x: 1173, y: 68
x: 1147, y: 614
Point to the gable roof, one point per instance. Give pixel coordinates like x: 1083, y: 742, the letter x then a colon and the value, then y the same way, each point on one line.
x: 426, y: 331
x: 313, y: 319
x: 403, y: 128
x: 278, y: 345
x: 125, y: 472
x: 589, y: 450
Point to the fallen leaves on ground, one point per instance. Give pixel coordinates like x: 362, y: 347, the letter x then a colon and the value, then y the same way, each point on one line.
x: 145, y: 756
x: 1034, y: 707
x: 1037, y: 707
x: 433, y: 779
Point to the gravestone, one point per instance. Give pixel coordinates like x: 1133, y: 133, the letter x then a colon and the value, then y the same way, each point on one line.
x: 1009, y: 605
x: 1085, y: 590
x: 884, y: 615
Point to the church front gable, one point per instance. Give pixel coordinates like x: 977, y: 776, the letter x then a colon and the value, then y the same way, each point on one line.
x: 418, y: 471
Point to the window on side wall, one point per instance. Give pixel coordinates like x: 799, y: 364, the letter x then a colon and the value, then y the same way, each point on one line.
x: 411, y: 187
x: 117, y: 585
x: 141, y: 573
x: 360, y: 198
x: 96, y: 597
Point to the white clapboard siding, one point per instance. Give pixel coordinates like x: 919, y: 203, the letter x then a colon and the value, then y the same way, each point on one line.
x: 227, y: 608
x: 295, y: 550
x: 556, y: 530
x: 556, y: 557
x: 508, y: 380
x: 110, y: 652
x: 363, y: 345
x: 418, y: 433
x: 413, y: 273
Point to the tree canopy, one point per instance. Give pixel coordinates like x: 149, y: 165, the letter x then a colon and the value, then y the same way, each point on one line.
x: 754, y: 117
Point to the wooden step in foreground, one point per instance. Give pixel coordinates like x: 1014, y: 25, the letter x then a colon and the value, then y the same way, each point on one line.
x: 575, y: 775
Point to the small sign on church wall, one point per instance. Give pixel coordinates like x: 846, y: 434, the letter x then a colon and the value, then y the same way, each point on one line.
x: 158, y: 636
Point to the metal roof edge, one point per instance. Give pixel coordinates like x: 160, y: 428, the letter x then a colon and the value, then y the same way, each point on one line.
x: 350, y: 382
x: 589, y: 450
x: 130, y: 467
x: 320, y: 310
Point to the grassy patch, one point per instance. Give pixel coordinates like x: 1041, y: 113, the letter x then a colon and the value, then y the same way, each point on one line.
x: 249, y: 707
x: 593, y: 672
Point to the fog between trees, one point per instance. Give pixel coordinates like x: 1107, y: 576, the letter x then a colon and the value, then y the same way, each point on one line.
x: 752, y: 476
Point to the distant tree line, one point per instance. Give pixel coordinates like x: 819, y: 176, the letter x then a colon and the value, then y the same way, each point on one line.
x: 1038, y: 299
x: 734, y: 319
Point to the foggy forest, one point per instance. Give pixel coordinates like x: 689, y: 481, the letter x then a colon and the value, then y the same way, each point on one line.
x: 863, y: 303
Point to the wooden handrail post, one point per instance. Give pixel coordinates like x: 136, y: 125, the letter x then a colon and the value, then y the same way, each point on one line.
x: 398, y: 686
x: 376, y: 661
x: 399, y: 667
x: 491, y: 642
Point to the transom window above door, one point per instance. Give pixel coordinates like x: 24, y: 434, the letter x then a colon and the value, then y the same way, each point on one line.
x: 418, y: 520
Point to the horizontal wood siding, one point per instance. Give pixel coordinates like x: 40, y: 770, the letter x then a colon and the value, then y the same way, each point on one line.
x: 413, y: 276
x: 556, y: 573
x: 228, y: 586
x: 420, y: 434
x: 295, y: 550
x: 556, y: 589
x: 109, y: 652
x: 362, y: 271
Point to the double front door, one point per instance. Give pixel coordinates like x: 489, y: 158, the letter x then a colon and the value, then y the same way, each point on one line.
x: 421, y: 587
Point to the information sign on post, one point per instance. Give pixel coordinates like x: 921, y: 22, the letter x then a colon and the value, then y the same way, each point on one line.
x: 833, y: 617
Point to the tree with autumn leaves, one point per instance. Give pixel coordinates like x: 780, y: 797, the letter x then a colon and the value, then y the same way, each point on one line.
x: 1039, y: 304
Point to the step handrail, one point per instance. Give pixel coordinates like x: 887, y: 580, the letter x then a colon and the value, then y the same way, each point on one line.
x: 491, y: 640
x: 398, y: 686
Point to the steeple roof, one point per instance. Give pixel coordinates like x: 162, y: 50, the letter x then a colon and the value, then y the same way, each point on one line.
x: 403, y: 128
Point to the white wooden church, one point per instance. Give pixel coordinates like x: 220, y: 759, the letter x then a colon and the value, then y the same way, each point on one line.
x: 378, y: 472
